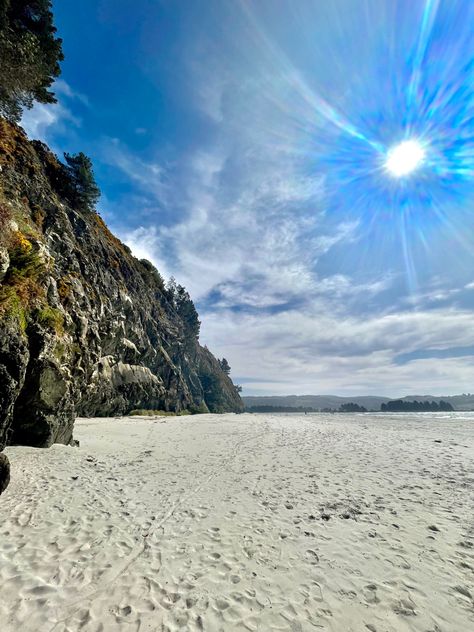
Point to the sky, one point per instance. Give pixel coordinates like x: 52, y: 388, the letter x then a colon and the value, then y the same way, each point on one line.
x: 242, y: 147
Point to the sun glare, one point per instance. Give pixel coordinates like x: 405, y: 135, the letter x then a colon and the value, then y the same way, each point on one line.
x: 404, y: 158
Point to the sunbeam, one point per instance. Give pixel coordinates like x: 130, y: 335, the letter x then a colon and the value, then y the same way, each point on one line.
x: 316, y: 103
x: 429, y: 15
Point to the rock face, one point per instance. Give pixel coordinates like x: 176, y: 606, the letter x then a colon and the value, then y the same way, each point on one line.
x: 4, y: 472
x: 85, y: 328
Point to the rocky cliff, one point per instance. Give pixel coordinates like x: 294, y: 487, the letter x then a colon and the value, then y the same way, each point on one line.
x: 85, y: 327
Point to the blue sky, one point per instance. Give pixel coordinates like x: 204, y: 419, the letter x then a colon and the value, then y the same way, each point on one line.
x: 241, y: 146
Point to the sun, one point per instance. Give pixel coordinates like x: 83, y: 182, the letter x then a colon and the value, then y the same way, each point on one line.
x: 404, y: 158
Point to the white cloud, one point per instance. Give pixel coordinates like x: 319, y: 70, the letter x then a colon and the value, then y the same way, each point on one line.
x: 249, y: 233
x: 315, y: 351
x: 142, y: 242
x: 42, y: 120
x: 254, y: 247
x: 62, y: 88
x: 210, y: 95
x: 339, y: 285
x: 148, y: 176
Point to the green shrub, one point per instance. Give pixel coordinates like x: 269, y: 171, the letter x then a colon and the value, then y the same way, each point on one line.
x: 11, y: 306
x: 144, y: 412
x: 151, y: 275
x: 25, y: 262
x: 20, y: 285
x: 51, y: 318
x: 199, y: 410
x: 5, y: 217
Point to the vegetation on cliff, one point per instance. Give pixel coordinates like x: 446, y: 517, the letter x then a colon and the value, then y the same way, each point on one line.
x: 30, y: 54
x: 100, y: 333
x: 84, y: 192
x: 85, y: 327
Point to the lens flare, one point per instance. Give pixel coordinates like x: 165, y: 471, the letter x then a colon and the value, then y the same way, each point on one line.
x: 405, y: 158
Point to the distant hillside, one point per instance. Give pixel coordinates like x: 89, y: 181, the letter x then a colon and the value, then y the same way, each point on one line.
x: 458, y: 402
x: 317, y: 402
x: 416, y: 406
x: 371, y: 402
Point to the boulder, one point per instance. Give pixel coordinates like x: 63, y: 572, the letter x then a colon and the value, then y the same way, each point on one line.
x: 4, y: 472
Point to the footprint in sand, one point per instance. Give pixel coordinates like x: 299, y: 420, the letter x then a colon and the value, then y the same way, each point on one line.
x: 312, y: 556
x: 405, y: 607
x: 464, y: 593
x: 370, y: 594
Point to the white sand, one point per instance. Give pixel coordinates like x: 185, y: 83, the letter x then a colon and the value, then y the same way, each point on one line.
x: 215, y: 523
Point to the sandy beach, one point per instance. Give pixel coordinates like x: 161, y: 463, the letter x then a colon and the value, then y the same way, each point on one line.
x: 339, y: 523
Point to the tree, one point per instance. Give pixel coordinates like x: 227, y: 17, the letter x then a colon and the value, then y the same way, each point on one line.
x: 224, y: 366
x: 151, y: 275
x: 171, y: 288
x: 415, y: 406
x: 351, y: 407
x: 30, y: 54
x: 85, y: 191
x: 187, y: 312
x: 184, y: 306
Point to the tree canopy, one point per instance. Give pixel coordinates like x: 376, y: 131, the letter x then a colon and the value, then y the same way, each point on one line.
x: 399, y: 405
x: 351, y: 407
x: 224, y: 366
x: 84, y: 190
x: 30, y: 54
x: 180, y: 299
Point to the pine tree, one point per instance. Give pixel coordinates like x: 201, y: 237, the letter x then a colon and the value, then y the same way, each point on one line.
x: 84, y: 190
x: 224, y: 366
x: 171, y: 290
x: 184, y: 306
x: 30, y: 54
x: 187, y: 311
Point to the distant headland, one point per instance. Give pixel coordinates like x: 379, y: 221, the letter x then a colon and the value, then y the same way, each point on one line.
x: 359, y: 403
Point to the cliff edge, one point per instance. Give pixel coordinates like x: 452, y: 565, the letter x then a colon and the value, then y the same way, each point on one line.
x: 85, y: 327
